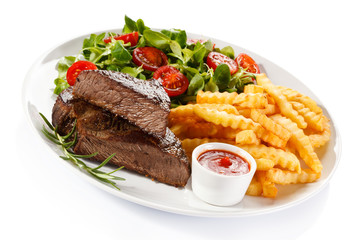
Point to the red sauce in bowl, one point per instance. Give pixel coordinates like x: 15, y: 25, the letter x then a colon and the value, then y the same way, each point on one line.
x: 224, y: 162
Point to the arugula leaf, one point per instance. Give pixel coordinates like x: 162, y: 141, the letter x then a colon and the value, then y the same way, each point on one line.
x: 91, y: 44
x: 87, y: 43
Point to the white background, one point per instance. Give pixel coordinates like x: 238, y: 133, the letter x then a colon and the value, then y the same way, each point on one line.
x: 316, y: 41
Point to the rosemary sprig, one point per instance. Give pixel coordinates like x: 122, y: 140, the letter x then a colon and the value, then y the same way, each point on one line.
x: 66, y: 146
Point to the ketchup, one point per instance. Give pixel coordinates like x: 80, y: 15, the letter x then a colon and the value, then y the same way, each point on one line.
x: 224, y: 162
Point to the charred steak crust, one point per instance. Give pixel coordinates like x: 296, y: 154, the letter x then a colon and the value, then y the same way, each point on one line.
x: 99, y: 130
x: 142, y: 102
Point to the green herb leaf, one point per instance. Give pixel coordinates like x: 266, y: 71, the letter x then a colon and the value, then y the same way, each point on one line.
x: 228, y: 51
x: 156, y: 39
x: 199, y: 52
x: 141, y: 26
x: 120, y: 53
x: 176, y: 49
x: 64, y: 64
x: 130, y: 25
x: 60, y: 85
x: 197, y: 83
x: 177, y: 35
x: 222, y: 76
x: 75, y: 158
x: 211, y: 86
x: 187, y: 55
x: 133, y: 71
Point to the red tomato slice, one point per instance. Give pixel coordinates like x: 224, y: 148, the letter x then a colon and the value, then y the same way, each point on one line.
x: 150, y: 58
x: 214, y: 59
x: 173, y: 81
x: 246, y: 62
x: 76, y: 68
x: 131, y: 38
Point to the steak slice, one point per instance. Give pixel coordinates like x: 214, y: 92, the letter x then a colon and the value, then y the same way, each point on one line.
x: 142, y: 102
x: 63, y: 112
x: 99, y: 130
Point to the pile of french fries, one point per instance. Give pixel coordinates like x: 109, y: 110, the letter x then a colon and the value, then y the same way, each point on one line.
x: 278, y: 126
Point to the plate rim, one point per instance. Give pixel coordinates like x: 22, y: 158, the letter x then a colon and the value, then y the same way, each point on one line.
x: 166, y: 208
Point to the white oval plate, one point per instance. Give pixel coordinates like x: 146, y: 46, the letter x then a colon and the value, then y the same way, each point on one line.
x: 38, y: 97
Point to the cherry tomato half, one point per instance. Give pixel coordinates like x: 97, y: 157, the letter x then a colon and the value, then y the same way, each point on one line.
x: 149, y: 57
x: 131, y: 38
x: 214, y: 59
x: 246, y: 62
x: 76, y: 68
x: 173, y: 81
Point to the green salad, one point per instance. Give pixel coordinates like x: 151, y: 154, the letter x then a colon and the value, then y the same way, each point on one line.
x: 184, y: 66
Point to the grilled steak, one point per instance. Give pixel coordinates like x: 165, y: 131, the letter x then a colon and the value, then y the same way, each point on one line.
x: 62, y: 112
x: 143, y: 103
x: 99, y: 130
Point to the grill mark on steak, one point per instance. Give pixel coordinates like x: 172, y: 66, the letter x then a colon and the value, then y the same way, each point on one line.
x: 142, y: 102
x: 99, y: 130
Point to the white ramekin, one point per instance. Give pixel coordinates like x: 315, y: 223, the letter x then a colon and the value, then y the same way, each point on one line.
x: 218, y: 189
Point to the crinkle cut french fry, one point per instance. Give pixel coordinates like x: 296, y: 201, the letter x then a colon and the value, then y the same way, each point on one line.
x: 221, y: 107
x: 270, y: 109
x: 273, y: 139
x: 250, y: 100
x: 252, y: 88
x: 185, y: 120
x: 284, y: 177
x: 187, y: 111
x: 280, y: 157
x: 238, y: 122
x: 268, y: 188
x: 227, y: 120
x: 190, y: 144
x: 255, y: 188
x: 204, y: 130
x: 182, y: 111
x: 215, y: 97
x: 315, y: 121
x: 284, y: 106
x: 179, y: 129
x: 264, y: 164
x: 293, y: 95
x: 183, y: 129
x: 301, y: 142
x: 247, y: 137
x: 319, y: 139
x: 270, y: 125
